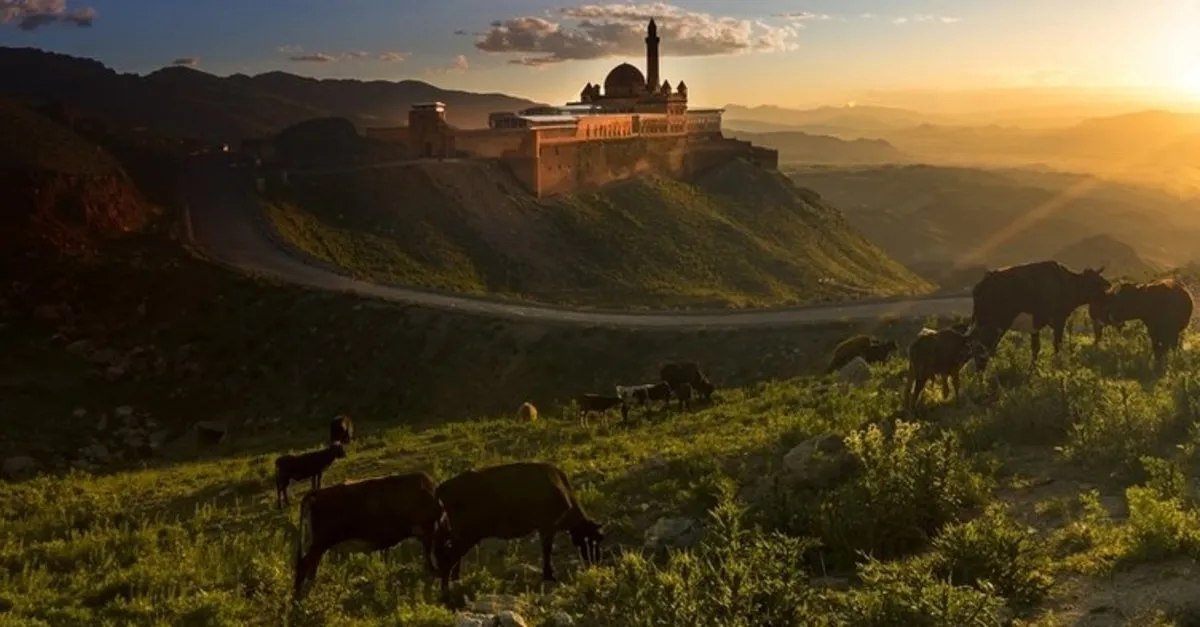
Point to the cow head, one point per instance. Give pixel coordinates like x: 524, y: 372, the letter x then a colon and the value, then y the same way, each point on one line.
x: 1119, y: 305
x: 703, y: 386
x: 587, y: 536
x: 1090, y: 285
x: 975, y: 347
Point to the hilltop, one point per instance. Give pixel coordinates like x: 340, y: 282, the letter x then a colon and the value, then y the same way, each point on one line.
x: 800, y: 147
x: 740, y: 236
x: 186, y: 102
x: 1117, y: 257
x: 926, y: 216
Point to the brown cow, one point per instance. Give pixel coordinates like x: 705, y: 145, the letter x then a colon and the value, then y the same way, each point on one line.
x: 367, y: 515
x: 508, y: 502
x: 938, y: 354
x: 341, y: 429
x: 678, y: 373
x: 871, y: 349
x: 1165, y: 307
x: 600, y: 403
x: 1047, y: 291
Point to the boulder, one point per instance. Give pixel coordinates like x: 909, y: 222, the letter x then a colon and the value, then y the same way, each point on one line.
x: 820, y: 462
x: 856, y: 373
x: 19, y: 467
x: 506, y: 618
x: 210, y: 432
x: 672, y: 532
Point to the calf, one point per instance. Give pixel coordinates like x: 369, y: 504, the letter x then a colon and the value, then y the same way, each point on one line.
x: 600, y: 403
x: 937, y: 354
x: 645, y: 393
x: 311, y: 465
x: 684, y: 394
x: 367, y: 515
x: 1165, y: 307
x: 677, y: 373
x: 872, y: 351
x: 341, y: 430
x: 508, y: 502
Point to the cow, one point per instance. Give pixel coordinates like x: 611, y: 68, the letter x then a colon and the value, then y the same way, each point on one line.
x: 508, y: 502
x: 938, y: 354
x: 600, y: 403
x: 1164, y: 306
x: 527, y: 412
x: 684, y: 394
x: 367, y: 515
x: 1047, y: 291
x: 678, y: 373
x: 871, y: 349
x: 341, y: 430
x: 310, y: 465
x: 642, y: 394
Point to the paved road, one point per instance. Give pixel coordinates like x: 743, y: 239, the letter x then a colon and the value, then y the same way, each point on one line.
x: 227, y: 227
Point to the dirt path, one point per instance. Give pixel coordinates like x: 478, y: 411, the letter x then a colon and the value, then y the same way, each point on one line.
x: 227, y: 225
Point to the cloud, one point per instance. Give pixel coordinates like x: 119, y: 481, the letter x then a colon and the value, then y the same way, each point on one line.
x: 803, y: 16
x: 297, y: 54
x: 31, y: 15
x: 459, y: 66
x: 596, y: 31
x: 943, y: 19
x: 187, y: 61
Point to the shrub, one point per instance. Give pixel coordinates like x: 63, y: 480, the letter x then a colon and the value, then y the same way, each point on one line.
x: 997, y: 550
x: 909, y: 593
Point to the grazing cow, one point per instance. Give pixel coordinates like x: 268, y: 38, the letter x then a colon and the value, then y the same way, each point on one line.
x: 1046, y: 290
x: 1165, y: 307
x: 872, y: 350
x: 677, y: 373
x: 367, y: 515
x: 645, y: 393
x: 684, y: 394
x: 313, y: 464
x: 508, y: 502
x: 600, y: 403
x: 341, y: 430
x: 938, y: 354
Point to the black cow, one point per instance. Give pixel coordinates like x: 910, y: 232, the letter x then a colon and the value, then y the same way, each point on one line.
x: 1165, y: 307
x: 678, y: 373
x: 310, y: 465
x: 938, y: 354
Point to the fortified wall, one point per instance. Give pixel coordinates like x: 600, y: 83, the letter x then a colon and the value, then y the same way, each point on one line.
x: 636, y: 125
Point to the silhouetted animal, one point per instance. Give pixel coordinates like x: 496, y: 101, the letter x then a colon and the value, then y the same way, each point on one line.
x: 527, y: 412
x: 871, y: 349
x: 642, y: 394
x: 367, y: 515
x: 313, y: 464
x: 1165, y: 307
x: 600, y: 403
x: 1046, y: 290
x: 684, y: 394
x: 937, y: 354
x: 341, y: 429
x: 508, y: 502
x: 676, y: 373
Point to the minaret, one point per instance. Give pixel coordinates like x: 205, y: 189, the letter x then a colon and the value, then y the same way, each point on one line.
x: 652, y: 81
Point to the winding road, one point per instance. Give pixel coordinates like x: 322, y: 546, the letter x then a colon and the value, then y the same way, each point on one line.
x: 226, y: 224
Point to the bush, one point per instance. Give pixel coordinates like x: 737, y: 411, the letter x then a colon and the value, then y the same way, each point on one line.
x: 996, y: 550
x: 909, y: 593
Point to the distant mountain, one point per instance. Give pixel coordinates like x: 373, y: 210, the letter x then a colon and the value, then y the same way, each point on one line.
x: 182, y: 101
x: 799, y: 147
x: 842, y: 120
x: 1117, y: 257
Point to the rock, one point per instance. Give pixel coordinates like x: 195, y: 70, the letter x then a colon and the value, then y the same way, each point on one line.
x: 124, y: 411
x: 856, y: 373
x: 672, y: 532
x: 96, y: 452
x: 820, y: 461
x: 19, y: 467
x: 114, y: 372
x: 509, y: 618
x: 493, y: 603
x: 471, y: 619
x: 562, y: 619
x: 210, y: 432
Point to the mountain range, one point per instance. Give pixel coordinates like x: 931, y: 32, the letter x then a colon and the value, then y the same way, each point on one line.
x: 182, y: 101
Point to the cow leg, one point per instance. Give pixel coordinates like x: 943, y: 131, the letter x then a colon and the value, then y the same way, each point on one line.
x: 1035, y: 346
x: 306, y: 568
x: 1060, y: 328
x: 547, y: 536
x: 945, y: 386
x: 954, y: 384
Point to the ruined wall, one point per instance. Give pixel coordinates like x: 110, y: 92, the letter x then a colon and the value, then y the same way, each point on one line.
x: 571, y: 166
x: 489, y: 143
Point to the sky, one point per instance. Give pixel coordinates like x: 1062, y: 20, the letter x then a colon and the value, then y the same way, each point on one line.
x: 782, y: 52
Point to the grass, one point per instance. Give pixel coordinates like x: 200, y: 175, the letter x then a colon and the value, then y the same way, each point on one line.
x: 739, y: 237
x: 30, y: 140
x: 947, y: 520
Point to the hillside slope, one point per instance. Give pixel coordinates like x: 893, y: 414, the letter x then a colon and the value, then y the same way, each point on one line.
x: 1117, y: 257
x: 740, y: 237
x: 181, y: 101
x: 926, y: 215
x: 800, y: 147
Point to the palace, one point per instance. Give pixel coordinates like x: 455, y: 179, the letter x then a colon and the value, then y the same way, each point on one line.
x: 635, y: 125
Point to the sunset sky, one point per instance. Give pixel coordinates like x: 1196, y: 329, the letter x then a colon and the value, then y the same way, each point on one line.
x: 784, y: 52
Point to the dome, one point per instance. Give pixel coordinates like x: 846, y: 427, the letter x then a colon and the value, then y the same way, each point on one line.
x: 624, y: 80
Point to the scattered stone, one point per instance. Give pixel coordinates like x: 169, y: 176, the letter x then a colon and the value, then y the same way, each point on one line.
x: 471, y: 619
x: 820, y: 461
x: 19, y: 467
x: 856, y: 373
x: 672, y: 532
x: 509, y: 618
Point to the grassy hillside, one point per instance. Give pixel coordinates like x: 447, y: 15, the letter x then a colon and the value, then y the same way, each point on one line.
x: 927, y: 215
x: 1061, y: 499
x: 740, y: 237
x: 31, y: 141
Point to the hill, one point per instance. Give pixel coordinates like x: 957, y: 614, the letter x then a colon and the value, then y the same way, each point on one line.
x: 800, y: 147
x: 741, y: 236
x: 1117, y: 257
x: 928, y: 216
x: 181, y: 101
